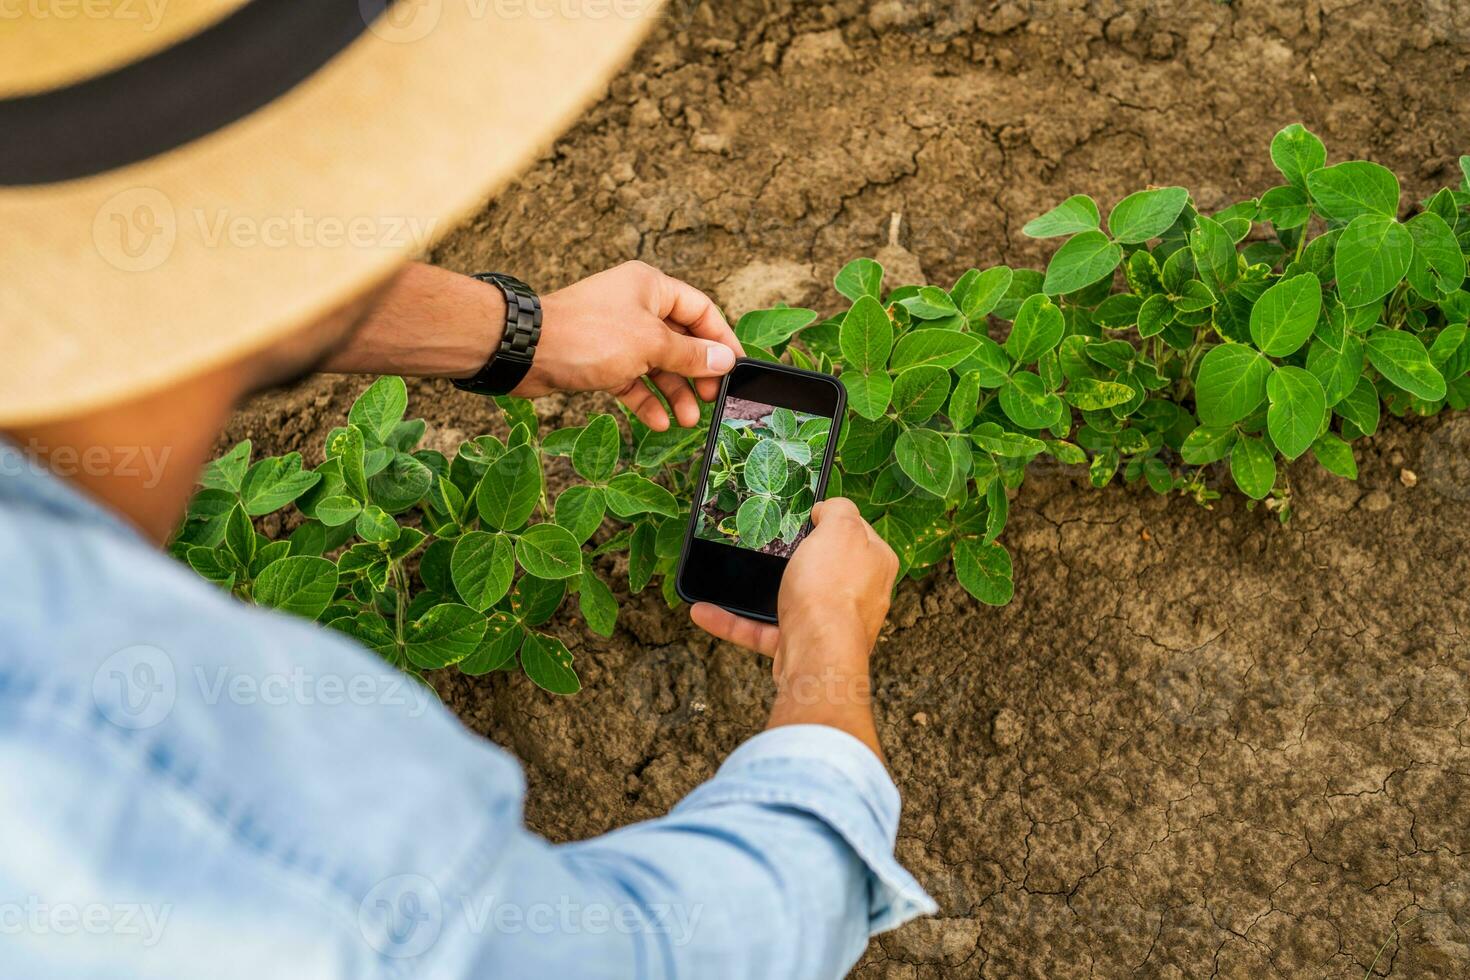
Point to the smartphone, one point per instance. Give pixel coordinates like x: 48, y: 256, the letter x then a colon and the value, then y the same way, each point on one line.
x: 772, y: 438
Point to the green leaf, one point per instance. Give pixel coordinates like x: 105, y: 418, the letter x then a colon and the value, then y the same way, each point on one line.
x: 991, y: 438
x: 1297, y: 153
x: 1027, y: 403
x: 765, y: 468
x: 1090, y: 394
x: 1038, y: 328
x: 1214, y: 252
x: 371, y: 630
x: 561, y: 442
x: 376, y: 525
x: 866, y: 336
x: 274, y: 482
x: 548, y: 663
x: 482, y: 568
x: 503, y: 637
x: 924, y: 457
x: 629, y: 495
x: 1286, y: 207
x: 595, y: 456
x: 300, y: 585
x: 380, y: 408
x: 965, y: 400
x: 1298, y: 409
x: 346, y: 446
x: 758, y: 521
x: 510, y: 489
x: 867, y: 445
x: 1401, y: 358
x: 240, y: 535
x: 767, y: 328
x: 1335, y: 456
x: 597, y: 604
x: 860, y: 277
x: 984, y: 570
x: 1438, y: 265
x: 1353, y: 189
x: 401, y: 484
x: 930, y: 303
x: 641, y: 557
x: 444, y: 635
x: 918, y: 392
x: 580, y: 509
x: 1252, y: 467
x: 1231, y: 383
x: 215, y: 564
x: 1147, y: 214
x: 1337, y: 370
x: 1361, y: 407
x: 338, y: 510
x: 1373, y: 256
x: 1286, y: 314
x: 978, y: 293
x: 997, y: 508
x: 226, y: 472
x: 945, y: 348
x: 1207, y: 444
x: 536, y: 600
x: 1085, y: 259
x: 1075, y: 214
x: 1156, y: 313
x: 868, y: 394
x: 549, y: 551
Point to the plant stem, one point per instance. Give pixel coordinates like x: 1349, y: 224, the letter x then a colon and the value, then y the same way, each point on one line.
x: 400, y: 610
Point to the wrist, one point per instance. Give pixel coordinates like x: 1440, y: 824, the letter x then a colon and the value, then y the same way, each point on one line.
x: 505, y: 368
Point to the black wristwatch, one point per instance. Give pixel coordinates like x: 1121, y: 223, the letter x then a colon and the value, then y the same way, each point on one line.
x: 509, y: 363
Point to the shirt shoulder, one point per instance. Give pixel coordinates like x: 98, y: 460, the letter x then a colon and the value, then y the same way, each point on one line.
x: 267, y: 740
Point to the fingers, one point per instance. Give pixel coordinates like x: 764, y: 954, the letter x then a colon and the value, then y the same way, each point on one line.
x: 691, y: 357
x: 687, y: 307
x: 680, y: 396
x: 721, y: 623
x: 645, y: 405
x: 687, y: 311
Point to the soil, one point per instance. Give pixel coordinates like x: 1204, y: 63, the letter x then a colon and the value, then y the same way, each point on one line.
x: 1197, y: 743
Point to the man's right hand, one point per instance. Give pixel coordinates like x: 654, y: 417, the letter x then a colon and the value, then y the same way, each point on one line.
x: 834, y: 598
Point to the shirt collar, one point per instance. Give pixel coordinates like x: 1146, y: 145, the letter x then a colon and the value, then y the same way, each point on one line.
x: 26, y: 484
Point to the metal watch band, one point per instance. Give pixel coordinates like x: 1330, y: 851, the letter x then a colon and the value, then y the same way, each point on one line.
x: 509, y: 363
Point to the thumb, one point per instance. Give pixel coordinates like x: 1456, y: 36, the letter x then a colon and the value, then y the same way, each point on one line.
x: 692, y: 357
x: 833, y: 507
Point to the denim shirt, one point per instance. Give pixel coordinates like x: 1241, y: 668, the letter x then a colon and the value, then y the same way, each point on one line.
x: 190, y: 786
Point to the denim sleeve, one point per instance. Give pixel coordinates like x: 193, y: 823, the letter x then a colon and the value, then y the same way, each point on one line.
x: 780, y: 866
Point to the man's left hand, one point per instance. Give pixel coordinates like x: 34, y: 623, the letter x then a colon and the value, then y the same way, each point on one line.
x: 613, y: 330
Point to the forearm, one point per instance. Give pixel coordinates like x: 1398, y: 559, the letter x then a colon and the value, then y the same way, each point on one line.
x: 823, y: 679
x: 430, y: 323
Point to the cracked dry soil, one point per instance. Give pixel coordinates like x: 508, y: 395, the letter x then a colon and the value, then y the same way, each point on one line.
x: 1197, y: 743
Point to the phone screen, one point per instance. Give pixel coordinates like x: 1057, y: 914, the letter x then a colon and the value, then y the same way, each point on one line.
x: 770, y: 449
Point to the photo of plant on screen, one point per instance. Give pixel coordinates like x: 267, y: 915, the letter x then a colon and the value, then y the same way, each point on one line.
x: 763, y: 478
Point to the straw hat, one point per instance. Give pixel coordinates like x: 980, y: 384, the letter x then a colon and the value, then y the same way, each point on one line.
x: 185, y: 181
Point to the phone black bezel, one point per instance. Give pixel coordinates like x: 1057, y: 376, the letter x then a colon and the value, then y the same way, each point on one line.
x: 738, y: 554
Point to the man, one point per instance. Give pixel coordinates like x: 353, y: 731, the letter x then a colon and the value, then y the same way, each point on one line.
x: 156, y: 821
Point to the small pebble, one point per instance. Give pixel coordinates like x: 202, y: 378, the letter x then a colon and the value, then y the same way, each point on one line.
x: 921, y: 719
x: 1408, y: 478
x: 1375, y: 500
